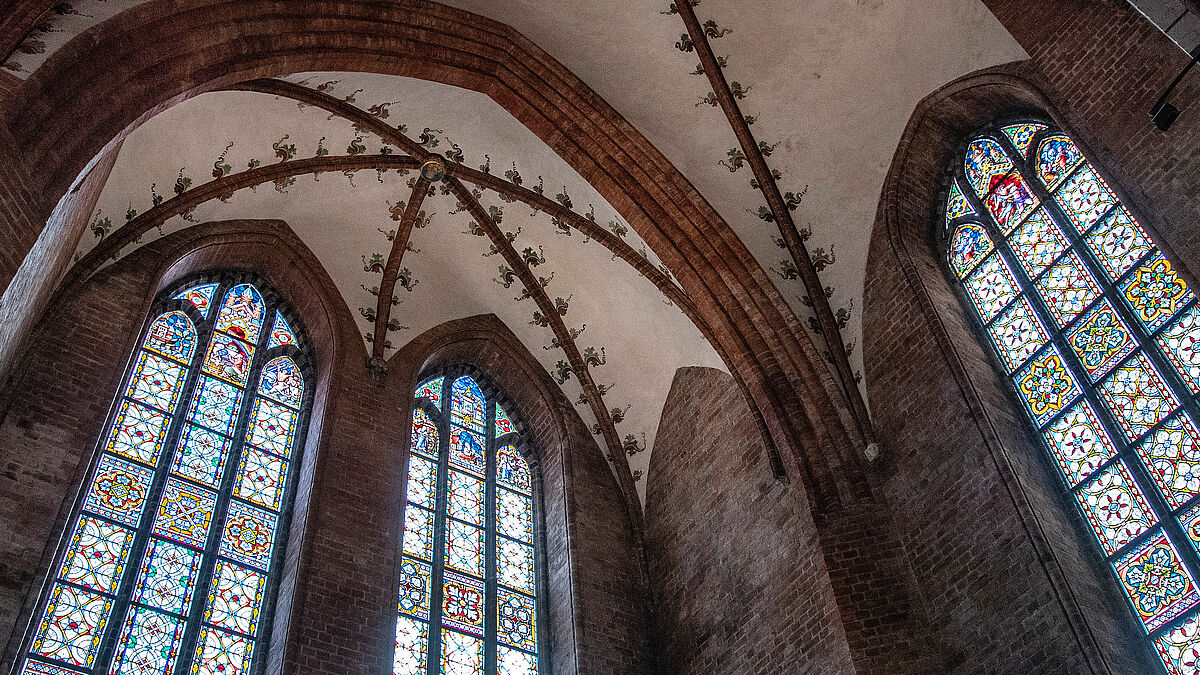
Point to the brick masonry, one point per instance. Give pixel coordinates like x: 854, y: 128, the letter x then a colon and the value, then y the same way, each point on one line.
x: 736, y: 569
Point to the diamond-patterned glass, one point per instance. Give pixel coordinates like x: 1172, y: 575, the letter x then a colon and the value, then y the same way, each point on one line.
x: 1181, y: 343
x: 1179, y: 648
x: 201, y: 456
x: 1137, y: 396
x: 1037, y: 242
x: 992, y: 286
x: 464, y: 548
x: 1172, y: 455
x: 1085, y: 197
x: 149, y: 643
x: 235, y: 598
x: 464, y: 498
x: 138, y: 433
x: 167, y: 576
x: 1115, y: 507
x: 1079, y: 442
x: 156, y: 382
x: 96, y: 556
x: 261, y: 478
x: 1118, y: 243
x: 1067, y: 288
x: 1017, y: 333
x: 412, y: 645
x: 215, y: 405
x: 514, y: 515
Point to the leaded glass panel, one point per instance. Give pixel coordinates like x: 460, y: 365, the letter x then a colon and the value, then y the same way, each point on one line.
x: 1037, y: 243
x: 1158, y: 585
x: 1099, y: 331
x: 96, y: 555
x: 992, y: 286
x: 167, y: 501
x: 1022, y: 135
x: 200, y: 297
x: 1017, y: 333
x: 1155, y: 292
x: 968, y: 246
x: 468, y: 586
x: 1118, y: 243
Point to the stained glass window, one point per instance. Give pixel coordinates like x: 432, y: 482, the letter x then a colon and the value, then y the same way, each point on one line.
x: 184, y: 504
x: 1099, y: 335
x: 468, y: 590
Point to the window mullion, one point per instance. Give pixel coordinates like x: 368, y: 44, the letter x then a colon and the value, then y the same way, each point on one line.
x: 489, y: 520
x: 434, y: 650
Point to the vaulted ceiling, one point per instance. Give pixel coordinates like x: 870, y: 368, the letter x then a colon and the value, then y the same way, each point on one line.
x: 829, y: 85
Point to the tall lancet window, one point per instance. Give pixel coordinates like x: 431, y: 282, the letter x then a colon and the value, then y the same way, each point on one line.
x: 171, y: 559
x: 468, y: 584
x: 1098, y: 334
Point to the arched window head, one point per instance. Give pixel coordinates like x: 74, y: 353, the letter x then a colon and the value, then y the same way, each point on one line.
x: 469, y: 600
x: 1098, y: 335
x: 172, y: 556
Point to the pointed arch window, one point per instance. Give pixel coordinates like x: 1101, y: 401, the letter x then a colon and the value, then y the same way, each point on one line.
x: 172, y: 555
x: 1100, y: 338
x: 469, y: 600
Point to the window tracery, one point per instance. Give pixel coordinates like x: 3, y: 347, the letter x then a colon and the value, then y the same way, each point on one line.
x: 174, y: 549
x: 1097, y: 332
x: 468, y: 600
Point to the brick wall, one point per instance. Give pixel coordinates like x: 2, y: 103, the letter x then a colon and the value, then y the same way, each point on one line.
x: 738, y: 576
x: 22, y: 212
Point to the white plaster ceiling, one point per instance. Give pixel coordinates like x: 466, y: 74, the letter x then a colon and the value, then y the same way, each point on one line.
x: 831, y: 85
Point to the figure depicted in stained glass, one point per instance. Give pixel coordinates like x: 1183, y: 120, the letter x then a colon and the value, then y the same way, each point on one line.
x: 172, y: 335
x: 968, y: 246
x: 1010, y: 201
x: 1056, y: 157
x: 242, y: 313
x: 228, y: 358
x: 281, y: 380
x: 986, y: 164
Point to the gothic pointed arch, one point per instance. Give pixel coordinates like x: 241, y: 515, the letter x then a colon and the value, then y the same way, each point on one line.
x: 573, y: 490
x: 956, y: 418
x: 217, y: 410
